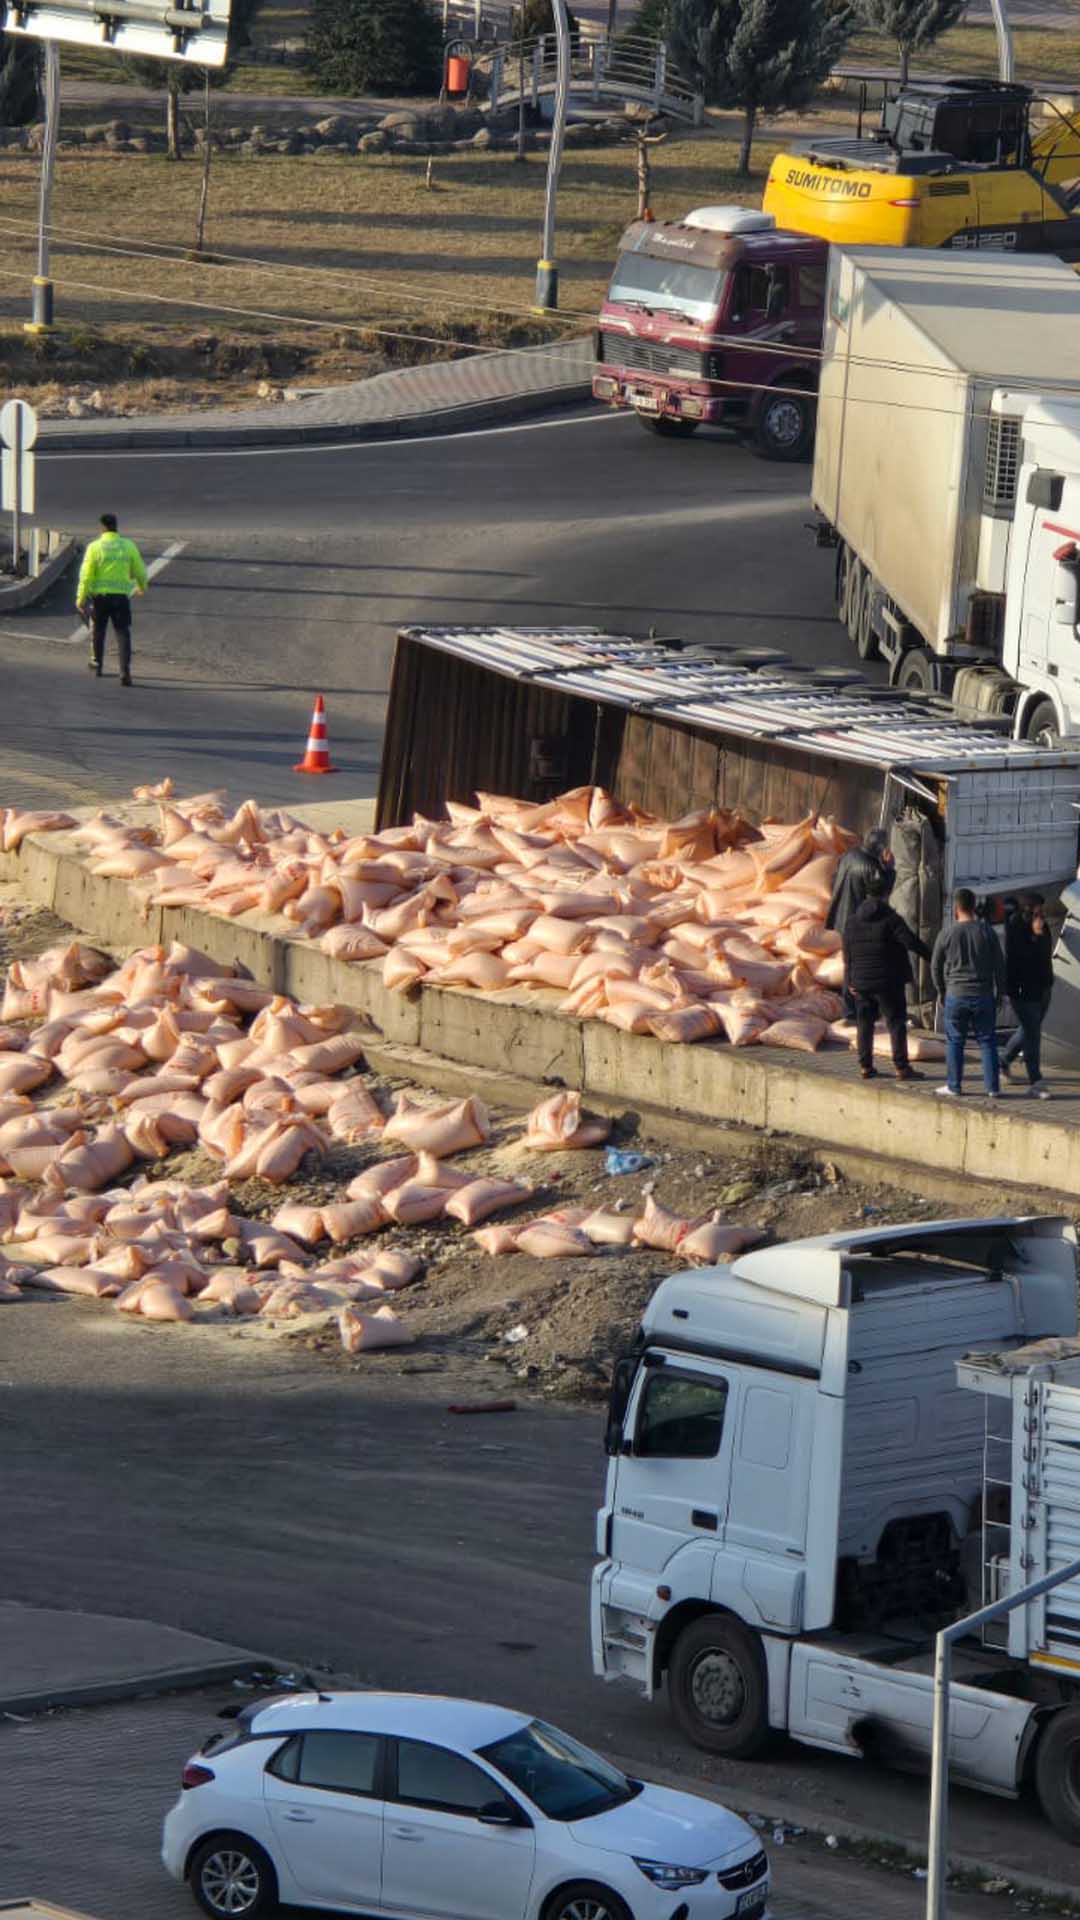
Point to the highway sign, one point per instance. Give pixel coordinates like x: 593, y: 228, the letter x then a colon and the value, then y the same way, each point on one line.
x: 18, y: 432
x: 197, y: 34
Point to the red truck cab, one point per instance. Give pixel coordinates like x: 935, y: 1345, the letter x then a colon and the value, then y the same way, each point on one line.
x: 716, y: 319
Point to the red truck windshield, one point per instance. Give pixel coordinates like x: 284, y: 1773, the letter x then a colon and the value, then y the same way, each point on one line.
x: 673, y: 286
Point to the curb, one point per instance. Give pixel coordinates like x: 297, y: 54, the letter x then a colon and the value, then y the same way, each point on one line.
x: 409, y: 426
x: 102, y: 1693
x: 26, y: 592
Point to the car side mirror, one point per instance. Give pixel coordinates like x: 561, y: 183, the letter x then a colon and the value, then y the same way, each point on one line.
x: 498, y: 1813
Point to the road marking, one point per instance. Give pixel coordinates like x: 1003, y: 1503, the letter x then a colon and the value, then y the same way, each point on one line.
x: 333, y: 446
x: 157, y: 566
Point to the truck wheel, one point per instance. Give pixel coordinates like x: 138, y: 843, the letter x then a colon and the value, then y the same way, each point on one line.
x: 866, y: 640
x: 914, y: 673
x: 843, y: 581
x: 667, y: 427
x: 1042, y: 725
x: 718, y: 1687
x: 1057, y: 1772
x: 856, y: 576
x: 784, y: 425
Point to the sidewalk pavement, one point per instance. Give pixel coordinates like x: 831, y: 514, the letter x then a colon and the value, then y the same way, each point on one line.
x: 53, y: 1658
x: 441, y: 397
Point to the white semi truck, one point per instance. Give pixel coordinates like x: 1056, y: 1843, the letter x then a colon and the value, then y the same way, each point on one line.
x: 947, y: 476
x: 824, y: 1452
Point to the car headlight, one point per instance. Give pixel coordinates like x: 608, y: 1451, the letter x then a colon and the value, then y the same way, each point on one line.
x: 668, y: 1877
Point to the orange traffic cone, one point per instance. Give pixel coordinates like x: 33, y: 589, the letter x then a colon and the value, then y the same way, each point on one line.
x: 317, y: 757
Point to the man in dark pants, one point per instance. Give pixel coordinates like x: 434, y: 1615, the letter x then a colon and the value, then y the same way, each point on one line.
x: 1029, y: 983
x: 876, y: 974
x: 968, y: 968
x: 112, y: 570
x: 858, y: 866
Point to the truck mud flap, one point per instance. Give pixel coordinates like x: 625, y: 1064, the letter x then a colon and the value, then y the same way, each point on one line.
x: 882, y: 1713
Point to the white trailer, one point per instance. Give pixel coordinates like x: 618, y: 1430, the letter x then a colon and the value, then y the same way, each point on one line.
x: 947, y: 476
x: 824, y: 1452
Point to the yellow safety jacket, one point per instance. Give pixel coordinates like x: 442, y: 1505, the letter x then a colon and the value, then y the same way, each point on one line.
x: 111, y: 564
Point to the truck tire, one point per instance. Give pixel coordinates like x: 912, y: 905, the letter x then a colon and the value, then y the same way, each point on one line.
x: 856, y: 576
x: 915, y: 673
x: 844, y: 559
x: 783, y: 426
x: 1042, y: 725
x: 667, y: 427
x: 866, y: 640
x: 1057, y: 1772
x: 718, y: 1686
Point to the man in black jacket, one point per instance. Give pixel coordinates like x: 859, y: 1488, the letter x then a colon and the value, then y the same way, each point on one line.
x: 1029, y: 983
x: 857, y: 868
x: 876, y: 973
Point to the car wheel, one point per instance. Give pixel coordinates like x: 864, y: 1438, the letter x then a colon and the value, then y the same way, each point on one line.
x: 1042, y: 725
x: 717, y: 1684
x: 1057, y: 1773
x: 232, y: 1876
x: 667, y: 427
x: 784, y: 425
x: 585, y: 1900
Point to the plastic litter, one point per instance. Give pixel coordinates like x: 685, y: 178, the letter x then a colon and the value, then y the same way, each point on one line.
x: 619, y: 1160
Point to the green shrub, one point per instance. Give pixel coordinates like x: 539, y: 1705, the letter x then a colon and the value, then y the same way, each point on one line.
x: 375, y: 46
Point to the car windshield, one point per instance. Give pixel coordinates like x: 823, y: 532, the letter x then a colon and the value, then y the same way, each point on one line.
x: 671, y: 285
x: 561, y: 1777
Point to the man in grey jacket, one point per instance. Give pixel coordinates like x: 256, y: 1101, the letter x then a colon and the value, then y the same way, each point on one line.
x: 968, y: 968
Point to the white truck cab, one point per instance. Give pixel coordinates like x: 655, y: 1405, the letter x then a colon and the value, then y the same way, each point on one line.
x: 1041, y: 642
x: 796, y: 1501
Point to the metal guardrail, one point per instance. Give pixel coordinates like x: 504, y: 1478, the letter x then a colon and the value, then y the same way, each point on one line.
x: 633, y: 68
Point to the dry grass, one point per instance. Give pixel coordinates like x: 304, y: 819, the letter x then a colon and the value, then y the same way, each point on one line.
x: 1042, y: 53
x: 357, y: 243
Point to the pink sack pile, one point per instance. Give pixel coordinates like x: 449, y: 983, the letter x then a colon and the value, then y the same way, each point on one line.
x: 692, y: 929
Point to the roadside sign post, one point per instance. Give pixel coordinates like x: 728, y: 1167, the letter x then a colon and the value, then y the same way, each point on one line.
x: 41, y: 311
x: 18, y: 432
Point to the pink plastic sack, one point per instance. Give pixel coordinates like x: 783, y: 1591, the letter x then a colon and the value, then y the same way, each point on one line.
x: 710, y: 1242
x: 481, y: 1198
x: 439, y: 1130
x: 606, y: 1229
x: 556, y: 1126
x: 660, y: 1228
x: 551, y: 1240
x: 350, y: 1219
x: 498, y: 1239
x: 365, y: 1332
x: 800, y: 1031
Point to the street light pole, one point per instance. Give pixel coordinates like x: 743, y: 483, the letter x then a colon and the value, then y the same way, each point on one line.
x: 42, y: 293
x: 1004, y: 38
x: 547, y: 272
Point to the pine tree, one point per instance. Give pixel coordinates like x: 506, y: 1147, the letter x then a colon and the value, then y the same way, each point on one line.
x: 20, y: 71
x: 375, y: 46
x: 763, y: 56
x: 911, y: 23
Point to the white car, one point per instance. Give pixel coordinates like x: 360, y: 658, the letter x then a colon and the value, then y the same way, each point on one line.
x: 432, y: 1809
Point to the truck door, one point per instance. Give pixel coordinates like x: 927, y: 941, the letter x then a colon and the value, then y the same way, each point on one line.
x: 759, y: 312
x: 674, y: 1468
x: 1049, y: 645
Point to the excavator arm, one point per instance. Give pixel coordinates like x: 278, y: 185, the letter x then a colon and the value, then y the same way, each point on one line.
x: 1055, y: 152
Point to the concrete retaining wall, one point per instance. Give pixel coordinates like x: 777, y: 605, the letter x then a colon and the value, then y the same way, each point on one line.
x: 527, y: 1043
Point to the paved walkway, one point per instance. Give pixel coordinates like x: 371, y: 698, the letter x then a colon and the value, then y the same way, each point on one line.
x: 434, y: 398
x: 52, y: 1657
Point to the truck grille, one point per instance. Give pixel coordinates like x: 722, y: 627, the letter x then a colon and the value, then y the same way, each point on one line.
x: 745, y: 1873
x: 642, y: 356
x: 1002, y: 461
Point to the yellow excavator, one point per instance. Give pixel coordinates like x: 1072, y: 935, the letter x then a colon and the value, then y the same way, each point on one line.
x: 954, y: 163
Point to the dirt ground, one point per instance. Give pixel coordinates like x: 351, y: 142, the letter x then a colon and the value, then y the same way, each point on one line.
x: 491, y: 1326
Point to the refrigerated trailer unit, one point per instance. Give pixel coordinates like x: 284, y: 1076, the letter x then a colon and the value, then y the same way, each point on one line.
x: 947, y: 476
x: 823, y: 1453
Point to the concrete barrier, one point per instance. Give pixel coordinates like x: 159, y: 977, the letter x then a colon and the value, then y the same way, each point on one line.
x: 520, y: 1043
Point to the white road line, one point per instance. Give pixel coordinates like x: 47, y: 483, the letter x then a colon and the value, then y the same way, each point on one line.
x: 331, y: 446
x: 81, y: 633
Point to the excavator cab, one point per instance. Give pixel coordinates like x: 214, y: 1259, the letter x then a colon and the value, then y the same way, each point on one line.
x: 953, y: 163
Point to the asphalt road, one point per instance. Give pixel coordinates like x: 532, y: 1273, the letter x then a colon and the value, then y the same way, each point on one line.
x: 299, y: 566
x: 257, y: 1495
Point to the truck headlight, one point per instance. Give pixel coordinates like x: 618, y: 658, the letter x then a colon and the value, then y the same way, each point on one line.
x: 670, y: 1878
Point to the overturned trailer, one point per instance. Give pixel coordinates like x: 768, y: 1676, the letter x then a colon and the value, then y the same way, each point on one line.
x: 672, y: 727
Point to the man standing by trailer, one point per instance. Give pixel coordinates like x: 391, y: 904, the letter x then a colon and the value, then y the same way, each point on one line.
x: 112, y: 570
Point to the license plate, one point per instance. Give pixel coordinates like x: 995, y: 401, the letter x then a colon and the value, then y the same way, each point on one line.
x: 751, y: 1905
x: 644, y: 402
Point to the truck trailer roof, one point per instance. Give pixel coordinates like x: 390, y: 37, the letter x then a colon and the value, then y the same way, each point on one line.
x: 1013, y: 321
